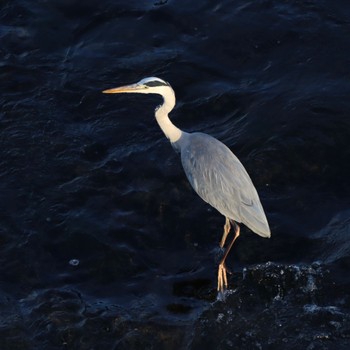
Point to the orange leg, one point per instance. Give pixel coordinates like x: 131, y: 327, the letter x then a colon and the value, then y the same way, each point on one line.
x: 227, y: 228
x: 222, y: 277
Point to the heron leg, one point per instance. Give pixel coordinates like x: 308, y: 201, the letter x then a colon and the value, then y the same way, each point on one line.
x: 222, y: 277
x: 227, y: 228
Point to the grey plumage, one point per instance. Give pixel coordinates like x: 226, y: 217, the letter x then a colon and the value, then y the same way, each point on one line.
x: 220, y: 179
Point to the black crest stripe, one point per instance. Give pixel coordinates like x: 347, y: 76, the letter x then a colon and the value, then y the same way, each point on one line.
x: 156, y: 83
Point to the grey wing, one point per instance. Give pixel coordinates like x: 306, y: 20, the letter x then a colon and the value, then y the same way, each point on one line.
x: 220, y: 179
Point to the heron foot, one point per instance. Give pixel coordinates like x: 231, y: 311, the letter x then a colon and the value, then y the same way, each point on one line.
x: 222, y: 277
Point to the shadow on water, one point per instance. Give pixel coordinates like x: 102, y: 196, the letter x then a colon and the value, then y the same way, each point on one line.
x: 103, y: 243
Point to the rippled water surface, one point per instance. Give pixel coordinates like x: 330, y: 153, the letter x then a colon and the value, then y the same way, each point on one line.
x: 103, y: 243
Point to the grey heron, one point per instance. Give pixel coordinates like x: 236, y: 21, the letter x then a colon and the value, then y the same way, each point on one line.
x: 214, y: 172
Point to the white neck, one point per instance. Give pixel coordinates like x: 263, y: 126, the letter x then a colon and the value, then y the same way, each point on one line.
x: 170, y: 130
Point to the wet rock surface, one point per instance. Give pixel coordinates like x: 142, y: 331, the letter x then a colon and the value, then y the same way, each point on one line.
x: 279, y: 306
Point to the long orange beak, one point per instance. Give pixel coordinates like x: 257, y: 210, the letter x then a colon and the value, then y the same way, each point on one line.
x: 123, y: 89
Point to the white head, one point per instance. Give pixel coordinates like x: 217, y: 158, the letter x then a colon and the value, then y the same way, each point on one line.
x: 151, y: 85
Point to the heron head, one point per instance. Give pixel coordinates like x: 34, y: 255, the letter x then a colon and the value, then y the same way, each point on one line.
x: 151, y: 85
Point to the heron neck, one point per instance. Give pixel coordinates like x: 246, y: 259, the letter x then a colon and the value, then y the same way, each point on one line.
x: 170, y: 130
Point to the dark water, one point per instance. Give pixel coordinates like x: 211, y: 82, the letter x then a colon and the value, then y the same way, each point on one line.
x: 103, y: 244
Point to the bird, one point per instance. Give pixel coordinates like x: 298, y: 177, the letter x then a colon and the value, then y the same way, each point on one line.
x: 214, y: 172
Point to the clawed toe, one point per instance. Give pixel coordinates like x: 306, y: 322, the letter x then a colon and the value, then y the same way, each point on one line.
x: 222, y: 278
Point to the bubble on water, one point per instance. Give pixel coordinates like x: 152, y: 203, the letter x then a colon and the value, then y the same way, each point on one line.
x: 74, y: 262
x: 220, y: 317
x: 244, y: 273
